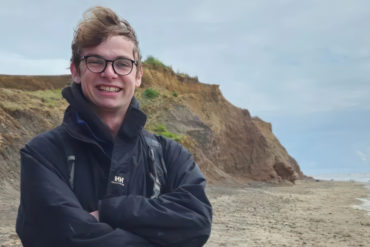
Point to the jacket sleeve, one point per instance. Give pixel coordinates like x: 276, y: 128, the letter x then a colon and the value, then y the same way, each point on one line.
x: 50, y: 214
x: 180, y: 217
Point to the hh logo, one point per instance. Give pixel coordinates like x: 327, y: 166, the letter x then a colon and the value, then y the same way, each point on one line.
x: 118, y: 180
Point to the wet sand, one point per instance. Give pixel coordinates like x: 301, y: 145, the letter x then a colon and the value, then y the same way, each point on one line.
x: 307, y: 214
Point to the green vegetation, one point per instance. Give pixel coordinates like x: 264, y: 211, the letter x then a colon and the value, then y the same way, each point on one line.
x: 49, y: 97
x: 150, y: 93
x: 186, y: 76
x: 160, y: 129
x: 156, y: 62
x: 15, y: 99
x: 11, y: 106
x: 174, y: 94
x: 54, y: 94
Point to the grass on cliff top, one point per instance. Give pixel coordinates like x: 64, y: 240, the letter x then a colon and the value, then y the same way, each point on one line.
x: 157, y: 63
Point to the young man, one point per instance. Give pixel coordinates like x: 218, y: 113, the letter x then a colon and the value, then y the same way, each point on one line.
x: 93, y: 181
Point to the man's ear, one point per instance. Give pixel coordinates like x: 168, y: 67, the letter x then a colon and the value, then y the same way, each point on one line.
x: 139, y: 76
x: 75, y: 73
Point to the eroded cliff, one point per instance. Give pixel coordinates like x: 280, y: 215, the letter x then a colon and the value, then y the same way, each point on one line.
x: 228, y: 144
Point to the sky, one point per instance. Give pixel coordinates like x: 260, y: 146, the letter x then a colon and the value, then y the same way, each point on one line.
x: 301, y: 65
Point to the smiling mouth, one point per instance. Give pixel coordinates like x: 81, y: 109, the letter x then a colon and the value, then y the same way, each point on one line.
x: 109, y: 89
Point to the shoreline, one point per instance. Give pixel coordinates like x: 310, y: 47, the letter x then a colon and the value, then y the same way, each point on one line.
x: 365, y: 201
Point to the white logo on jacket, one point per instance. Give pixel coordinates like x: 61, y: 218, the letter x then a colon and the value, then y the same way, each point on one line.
x: 118, y: 180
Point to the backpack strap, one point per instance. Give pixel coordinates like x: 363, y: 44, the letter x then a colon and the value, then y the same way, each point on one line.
x: 71, y: 160
x: 157, y: 166
x: 71, y: 169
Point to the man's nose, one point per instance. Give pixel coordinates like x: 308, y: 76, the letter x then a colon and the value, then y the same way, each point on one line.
x: 109, y: 70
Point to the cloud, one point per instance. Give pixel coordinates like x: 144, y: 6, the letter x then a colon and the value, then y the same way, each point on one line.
x: 363, y: 155
x: 12, y: 63
x: 282, y: 56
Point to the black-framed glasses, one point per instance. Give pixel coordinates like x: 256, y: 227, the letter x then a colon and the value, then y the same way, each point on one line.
x: 97, y: 64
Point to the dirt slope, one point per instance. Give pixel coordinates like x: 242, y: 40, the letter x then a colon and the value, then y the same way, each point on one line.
x: 226, y: 140
x: 228, y: 144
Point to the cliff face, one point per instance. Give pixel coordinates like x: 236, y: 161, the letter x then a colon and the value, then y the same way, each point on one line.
x: 227, y: 143
x: 24, y: 114
x: 225, y: 140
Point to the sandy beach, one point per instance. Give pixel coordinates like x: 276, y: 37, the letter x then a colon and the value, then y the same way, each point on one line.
x: 307, y: 214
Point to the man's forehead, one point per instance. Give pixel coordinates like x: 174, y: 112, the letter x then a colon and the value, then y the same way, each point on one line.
x: 112, y: 47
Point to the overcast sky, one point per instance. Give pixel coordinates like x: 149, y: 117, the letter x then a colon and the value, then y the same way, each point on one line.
x: 301, y: 65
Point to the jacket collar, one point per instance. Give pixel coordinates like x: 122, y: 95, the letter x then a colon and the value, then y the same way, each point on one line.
x: 81, y: 113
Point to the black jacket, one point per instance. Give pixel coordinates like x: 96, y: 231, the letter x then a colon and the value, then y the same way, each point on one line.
x: 111, y: 175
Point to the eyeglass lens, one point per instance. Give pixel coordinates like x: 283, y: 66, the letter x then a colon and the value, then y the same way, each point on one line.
x: 121, y: 66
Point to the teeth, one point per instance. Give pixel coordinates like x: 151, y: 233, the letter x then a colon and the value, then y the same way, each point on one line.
x: 109, y: 89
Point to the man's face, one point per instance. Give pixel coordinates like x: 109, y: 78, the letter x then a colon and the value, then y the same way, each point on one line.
x: 108, y: 91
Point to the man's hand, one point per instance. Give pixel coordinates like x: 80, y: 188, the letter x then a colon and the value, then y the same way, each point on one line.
x: 95, y: 214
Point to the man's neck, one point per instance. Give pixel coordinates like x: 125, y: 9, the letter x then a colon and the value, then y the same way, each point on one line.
x: 112, y: 119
